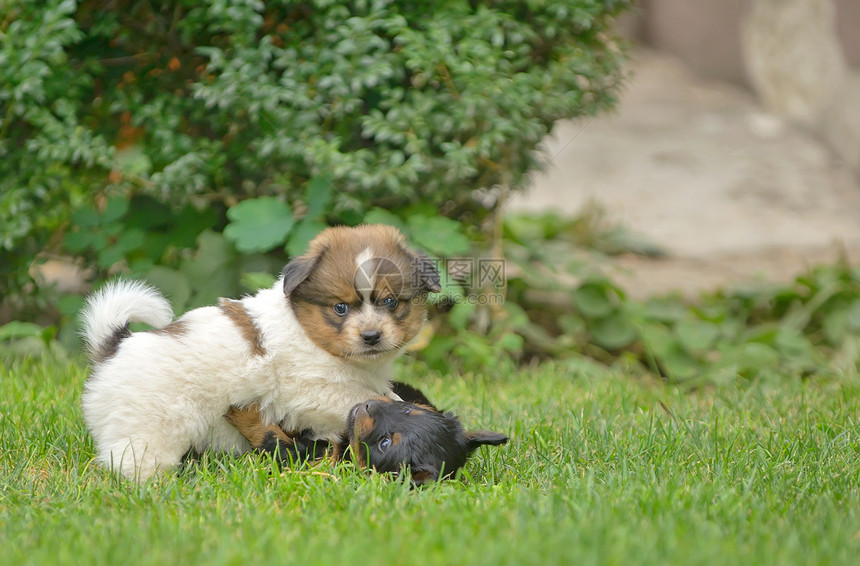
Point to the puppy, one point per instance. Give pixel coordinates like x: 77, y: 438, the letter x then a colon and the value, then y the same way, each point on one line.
x: 306, y: 351
x: 383, y: 434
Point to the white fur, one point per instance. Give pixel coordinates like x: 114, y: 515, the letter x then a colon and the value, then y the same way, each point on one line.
x: 364, y: 281
x: 162, y: 394
x: 114, y: 306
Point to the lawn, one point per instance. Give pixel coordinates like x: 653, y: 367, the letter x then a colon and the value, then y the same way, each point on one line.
x: 601, y: 469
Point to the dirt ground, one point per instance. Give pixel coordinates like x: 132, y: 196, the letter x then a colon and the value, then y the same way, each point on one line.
x: 734, y: 195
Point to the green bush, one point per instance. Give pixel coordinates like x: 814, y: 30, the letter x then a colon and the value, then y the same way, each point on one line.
x: 386, y: 104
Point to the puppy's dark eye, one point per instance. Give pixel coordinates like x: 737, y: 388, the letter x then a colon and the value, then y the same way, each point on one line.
x: 384, y: 444
x: 341, y: 309
x: 389, y: 302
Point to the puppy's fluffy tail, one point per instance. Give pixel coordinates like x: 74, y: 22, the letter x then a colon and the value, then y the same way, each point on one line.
x: 107, y: 312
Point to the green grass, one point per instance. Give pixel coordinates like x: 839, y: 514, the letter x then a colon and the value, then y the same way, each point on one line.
x: 602, y: 469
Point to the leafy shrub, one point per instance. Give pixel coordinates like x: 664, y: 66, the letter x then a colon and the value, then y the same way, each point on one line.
x: 211, y: 103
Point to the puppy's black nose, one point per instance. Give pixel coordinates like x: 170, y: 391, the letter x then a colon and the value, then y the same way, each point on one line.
x: 371, y: 337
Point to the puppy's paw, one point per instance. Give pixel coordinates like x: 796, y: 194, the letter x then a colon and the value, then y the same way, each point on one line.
x: 248, y: 422
x: 237, y: 416
x: 305, y: 447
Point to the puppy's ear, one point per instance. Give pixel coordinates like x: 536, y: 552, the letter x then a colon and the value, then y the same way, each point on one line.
x: 475, y: 438
x: 426, y: 273
x: 297, y: 271
x: 410, y: 394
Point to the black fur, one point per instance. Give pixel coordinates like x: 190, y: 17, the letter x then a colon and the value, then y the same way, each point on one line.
x: 394, y: 436
x: 302, y: 448
x: 297, y: 270
x: 411, y: 394
x: 111, y: 345
x: 414, y: 435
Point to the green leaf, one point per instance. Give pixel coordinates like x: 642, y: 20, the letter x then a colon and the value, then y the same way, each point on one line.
x: 254, y: 281
x: 437, y: 234
x: 147, y: 213
x: 614, y: 332
x: 663, y: 349
x: 592, y: 299
x: 679, y: 365
x: 85, y: 216
x: 131, y: 239
x: 70, y: 304
x: 572, y: 324
x: 695, y: 336
x: 458, y: 318
x: 796, y: 349
x: 155, y: 244
x: 517, y: 316
x: 658, y: 339
x: 189, y: 224
x: 259, y: 224
x: 318, y: 195
x: 835, y: 326
x: 438, y: 352
x: 510, y: 342
x: 173, y: 284
x: 79, y: 241
x: 110, y: 256
x: 664, y: 309
x: 301, y: 236
x: 382, y: 216
x: 212, y: 270
x: 16, y: 330
x: 853, y: 317
x: 750, y: 358
x: 115, y: 209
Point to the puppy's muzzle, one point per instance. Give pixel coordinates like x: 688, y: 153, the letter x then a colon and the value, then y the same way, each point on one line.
x: 371, y: 337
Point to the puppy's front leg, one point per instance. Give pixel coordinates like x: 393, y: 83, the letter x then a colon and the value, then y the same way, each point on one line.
x: 271, y: 439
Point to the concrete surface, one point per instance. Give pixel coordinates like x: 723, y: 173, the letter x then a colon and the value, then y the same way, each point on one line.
x: 696, y: 166
x: 706, y: 33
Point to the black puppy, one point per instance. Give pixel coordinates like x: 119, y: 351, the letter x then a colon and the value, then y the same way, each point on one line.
x: 386, y: 435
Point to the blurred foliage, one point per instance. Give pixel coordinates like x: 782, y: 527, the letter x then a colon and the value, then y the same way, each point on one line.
x: 258, y: 123
x: 555, y: 302
x: 564, y: 305
x: 199, y: 145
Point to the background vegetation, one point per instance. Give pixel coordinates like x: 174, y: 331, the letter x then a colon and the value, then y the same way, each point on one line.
x: 200, y: 145
x: 196, y: 144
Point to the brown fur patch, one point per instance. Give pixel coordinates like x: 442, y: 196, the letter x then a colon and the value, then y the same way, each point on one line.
x: 336, y: 451
x: 396, y: 438
x: 237, y: 313
x: 422, y: 477
x: 175, y: 328
x: 363, y: 426
x: 249, y: 424
x: 358, y: 454
x: 422, y: 410
x: 388, y: 269
x: 111, y: 345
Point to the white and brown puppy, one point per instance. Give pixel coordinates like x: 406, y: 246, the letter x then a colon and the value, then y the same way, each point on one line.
x: 307, y: 350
